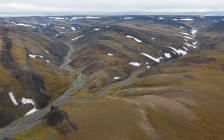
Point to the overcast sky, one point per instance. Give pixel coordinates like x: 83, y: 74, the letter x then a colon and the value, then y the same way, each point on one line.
x: 69, y: 7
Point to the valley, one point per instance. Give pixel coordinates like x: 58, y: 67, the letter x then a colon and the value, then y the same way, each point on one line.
x: 112, y: 77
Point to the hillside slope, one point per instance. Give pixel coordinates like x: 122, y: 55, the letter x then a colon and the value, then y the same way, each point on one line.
x: 29, y: 71
x: 175, y: 99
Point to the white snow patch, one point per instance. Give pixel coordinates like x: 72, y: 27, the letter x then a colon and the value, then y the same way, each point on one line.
x: 73, y: 28
x: 167, y: 55
x: 137, y: 40
x: 60, y: 27
x: 154, y: 59
x: 110, y: 54
x: 115, y: 78
x: 29, y: 101
x: 194, y: 43
x: 63, y: 32
x: 48, y: 61
x: 175, y: 19
x: 153, y: 38
x: 189, y: 45
x: 13, y: 98
x: 187, y: 19
x: 185, y: 48
x: 128, y: 17
x: 31, y: 111
x: 179, y: 51
x: 174, y: 52
x: 93, y: 17
x: 147, y: 65
x: 193, y: 32
x: 161, y: 18
x: 22, y: 24
x: 181, y: 27
x: 74, y: 18
x: 57, y: 18
x: 46, y: 51
x: 185, y: 33
x: 97, y: 29
x: 137, y: 64
x: 77, y: 37
x: 188, y: 37
x: 35, y: 56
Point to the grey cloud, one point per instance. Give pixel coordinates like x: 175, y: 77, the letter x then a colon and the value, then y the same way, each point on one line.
x: 109, y: 6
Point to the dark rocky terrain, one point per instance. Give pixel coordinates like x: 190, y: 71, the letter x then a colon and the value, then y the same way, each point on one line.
x: 112, y: 77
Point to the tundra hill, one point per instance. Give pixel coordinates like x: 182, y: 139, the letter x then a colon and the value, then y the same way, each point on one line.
x: 109, y: 49
x: 145, y: 77
x: 29, y: 70
x: 179, y: 99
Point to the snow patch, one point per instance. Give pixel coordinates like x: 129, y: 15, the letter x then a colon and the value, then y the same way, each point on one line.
x: 13, y: 98
x: 179, y: 51
x: 185, y: 33
x: 128, y: 18
x: 188, y: 37
x: 167, y: 55
x: 31, y: 111
x: 194, y: 43
x: 77, y: 37
x: 116, y: 78
x: 187, y: 19
x: 35, y: 56
x: 97, y: 29
x: 93, y: 17
x: 22, y: 24
x: 74, y: 18
x: 189, y: 45
x: 193, y: 32
x: 147, y: 65
x: 57, y: 18
x: 60, y: 27
x: 137, y: 64
x: 154, y: 59
x: 73, y: 28
x: 185, y: 48
x: 110, y: 54
x: 137, y: 40
x: 46, y: 51
x: 29, y: 101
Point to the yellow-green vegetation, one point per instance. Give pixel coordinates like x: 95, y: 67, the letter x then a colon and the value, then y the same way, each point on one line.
x: 109, y: 119
x: 55, y: 82
x: 34, y: 132
x: 7, y: 81
x: 159, y: 81
x: 1, y: 43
